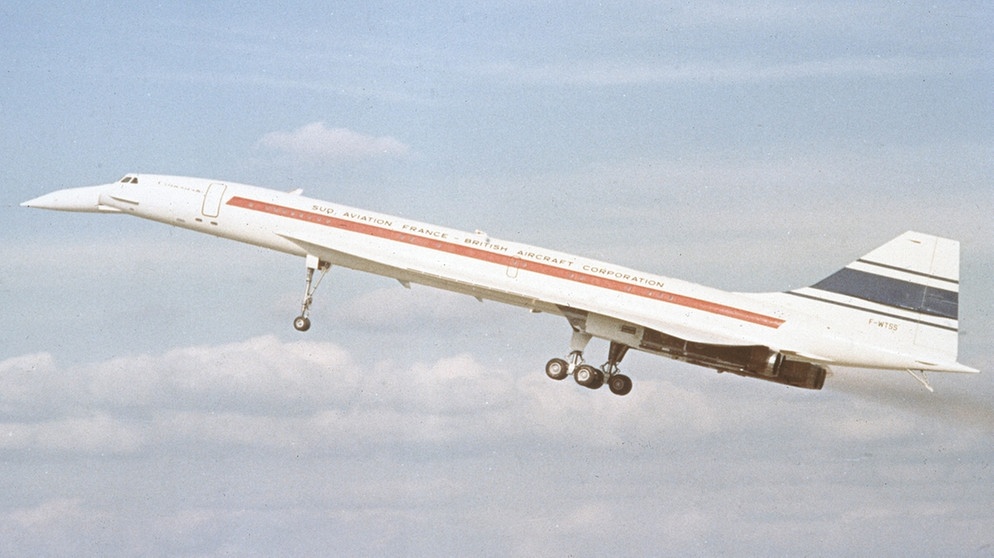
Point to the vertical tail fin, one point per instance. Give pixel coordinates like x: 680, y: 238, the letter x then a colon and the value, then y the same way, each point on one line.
x: 909, y: 289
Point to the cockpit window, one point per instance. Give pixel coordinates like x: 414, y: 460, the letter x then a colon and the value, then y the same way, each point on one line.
x: 129, y: 180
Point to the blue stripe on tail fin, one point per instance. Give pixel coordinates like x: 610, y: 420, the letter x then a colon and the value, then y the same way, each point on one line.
x: 889, y: 291
x: 914, y: 278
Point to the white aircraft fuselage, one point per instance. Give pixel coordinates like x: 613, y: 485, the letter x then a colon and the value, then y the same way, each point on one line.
x: 896, y: 308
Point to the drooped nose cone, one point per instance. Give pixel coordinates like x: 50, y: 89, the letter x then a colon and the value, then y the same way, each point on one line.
x: 73, y: 199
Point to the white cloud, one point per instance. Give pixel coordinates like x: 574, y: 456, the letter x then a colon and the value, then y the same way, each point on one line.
x: 317, y: 142
x: 97, y: 434
x: 267, y: 393
x: 306, y: 396
x: 383, y: 448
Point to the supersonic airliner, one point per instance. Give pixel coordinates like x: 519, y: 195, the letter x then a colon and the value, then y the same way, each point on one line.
x: 895, y: 308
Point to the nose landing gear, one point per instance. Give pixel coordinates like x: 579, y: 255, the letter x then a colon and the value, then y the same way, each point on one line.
x: 303, y: 322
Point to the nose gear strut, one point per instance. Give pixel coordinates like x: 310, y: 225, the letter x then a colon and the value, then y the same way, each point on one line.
x: 303, y: 322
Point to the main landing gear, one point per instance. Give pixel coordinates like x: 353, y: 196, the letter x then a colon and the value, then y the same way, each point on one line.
x: 302, y: 322
x: 587, y: 375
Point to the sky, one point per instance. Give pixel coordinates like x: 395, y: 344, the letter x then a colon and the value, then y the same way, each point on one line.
x: 155, y: 399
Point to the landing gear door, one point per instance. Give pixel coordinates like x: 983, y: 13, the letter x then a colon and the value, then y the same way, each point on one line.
x: 212, y: 200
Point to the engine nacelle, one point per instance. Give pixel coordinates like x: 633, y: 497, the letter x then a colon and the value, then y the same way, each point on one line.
x: 754, y: 361
x: 760, y: 362
x: 793, y: 373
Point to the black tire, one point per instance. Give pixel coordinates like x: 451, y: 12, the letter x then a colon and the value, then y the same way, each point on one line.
x: 588, y: 376
x: 597, y: 381
x: 620, y: 384
x: 557, y: 369
x: 300, y: 323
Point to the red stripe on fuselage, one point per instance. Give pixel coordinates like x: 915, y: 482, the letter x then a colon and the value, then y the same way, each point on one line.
x: 505, y: 260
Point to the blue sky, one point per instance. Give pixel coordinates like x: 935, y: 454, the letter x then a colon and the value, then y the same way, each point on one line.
x: 155, y: 399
